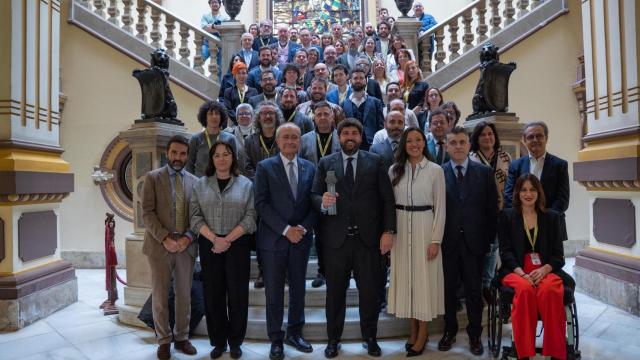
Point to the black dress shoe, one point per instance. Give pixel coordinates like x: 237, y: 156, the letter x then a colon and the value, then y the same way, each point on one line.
x: 475, y: 345
x: 447, y: 340
x: 217, y: 352
x: 412, y: 353
x: 318, y: 281
x: 407, y: 346
x: 332, y: 349
x: 259, y: 283
x: 373, y: 349
x: 235, y: 352
x: 299, y: 343
x: 277, y: 350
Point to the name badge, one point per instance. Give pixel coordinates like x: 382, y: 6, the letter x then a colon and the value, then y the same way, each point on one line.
x: 535, y: 259
x: 532, y: 262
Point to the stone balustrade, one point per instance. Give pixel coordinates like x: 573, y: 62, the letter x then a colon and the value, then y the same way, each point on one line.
x: 159, y: 28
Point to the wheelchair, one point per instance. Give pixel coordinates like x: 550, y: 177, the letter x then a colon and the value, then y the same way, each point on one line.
x: 499, y: 313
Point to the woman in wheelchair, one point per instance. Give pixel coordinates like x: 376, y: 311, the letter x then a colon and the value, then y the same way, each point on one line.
x: 532, y: 259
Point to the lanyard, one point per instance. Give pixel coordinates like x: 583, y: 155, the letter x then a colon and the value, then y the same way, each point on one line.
x: 264, y: 146
x: 291, y: 117
x: 262, y: 41
x: 493, y: 163
x: 241, y: 95
x: 532, y: 241
x: 206, y: 136
x: 323, y: 149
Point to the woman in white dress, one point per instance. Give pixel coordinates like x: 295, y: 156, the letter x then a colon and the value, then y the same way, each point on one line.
x: 416, y: 289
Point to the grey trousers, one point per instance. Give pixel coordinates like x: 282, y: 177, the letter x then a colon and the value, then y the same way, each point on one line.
x: 178, y: 267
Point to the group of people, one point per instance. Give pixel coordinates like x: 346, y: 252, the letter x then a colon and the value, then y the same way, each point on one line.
x: 387, y: 188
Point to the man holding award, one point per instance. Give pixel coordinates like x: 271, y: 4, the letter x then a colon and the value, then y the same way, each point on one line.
x: 355, y: 237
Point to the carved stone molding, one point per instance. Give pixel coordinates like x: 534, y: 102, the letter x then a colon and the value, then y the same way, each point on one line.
x: 18, y: 199
x: 118, y: 192
x: 611, y: 185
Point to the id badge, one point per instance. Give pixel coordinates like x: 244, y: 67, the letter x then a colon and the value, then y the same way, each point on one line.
x: 531, y: 262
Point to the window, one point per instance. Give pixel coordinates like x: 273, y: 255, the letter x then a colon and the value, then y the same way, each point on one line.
x: 318, y: 15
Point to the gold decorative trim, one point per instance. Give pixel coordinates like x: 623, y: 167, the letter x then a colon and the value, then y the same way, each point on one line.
x: 37, y: 64
x: 623, y: 57
x: 611, y: 185
x: 27, y: 199
x: 12, y: 159
x: 607, y: 58
x: 594, y: 63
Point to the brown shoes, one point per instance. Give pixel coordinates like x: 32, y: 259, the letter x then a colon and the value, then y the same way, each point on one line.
x: 186, y: 347
x: 164, y: 352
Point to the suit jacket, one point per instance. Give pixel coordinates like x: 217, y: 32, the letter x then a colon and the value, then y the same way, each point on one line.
x: 255, y: 76
x: 472, y: 208
x: 334, y: 97
x: 254, y: 153
x: 227, y: 82
x: 255, y: 58
x: 385, y: 151
x: 372, y: 119
x: 277, y: 206
x: 255, y: 100
x: 555, y: 183
x: 157, y: 211
x: 373, y: 89
x: 372, y: 200
x: 431, y: 146
x: 292, y: 50
x: 257, y: 42
x: 309, y: 146
x: 416, y: 95
x: 232, y: 100
x: 304, y: 122
x: 513, y: 242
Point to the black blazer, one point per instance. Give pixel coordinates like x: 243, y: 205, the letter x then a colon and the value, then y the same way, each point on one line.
x: 555, y: 183
x: 232, y: 100
x: 416, y: 96
x: 373, y: 89
x: 472, y: 208
x: 513, y: 242
x: 372, y: 199
x: 255, y: 59
x: 258, y: 43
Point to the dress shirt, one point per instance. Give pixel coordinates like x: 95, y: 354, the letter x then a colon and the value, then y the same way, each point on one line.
x: 354, y: 163
x: 357, y: 101
x: 172, y: 178
x: 536, y: 165
x: 286, y: 162
x: 247, y: 54
x: 223, y: 211
x: 465, y: 165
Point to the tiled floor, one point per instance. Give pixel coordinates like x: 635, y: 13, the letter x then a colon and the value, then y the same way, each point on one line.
x: 81, y: 332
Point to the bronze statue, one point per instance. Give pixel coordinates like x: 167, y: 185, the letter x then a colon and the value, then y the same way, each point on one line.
x: 157, y: 100
x: 493, y: 87
x: 404, y: 6
x: 232, y: 7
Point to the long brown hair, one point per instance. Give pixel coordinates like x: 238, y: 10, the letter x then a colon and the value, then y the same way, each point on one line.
x: 408, y: 83
x: 535, y: 182
x: 402, y: 157
x: 211, y: 168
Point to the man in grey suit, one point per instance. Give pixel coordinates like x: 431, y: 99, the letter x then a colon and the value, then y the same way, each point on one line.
x: 354, y: 238
x: 470, y: 226
x: 394, y: 125
x: 315, y: 145
x: 169, y: 246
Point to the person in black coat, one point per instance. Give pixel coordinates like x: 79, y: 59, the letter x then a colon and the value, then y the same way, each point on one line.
x: 532, y: 256
x: 472, y: 209
x: 551, y: 170
x: 240, y: 93
x: 355, y: 237
x: 227, y: 80
x: 413, y: 88
x: 266, y: 37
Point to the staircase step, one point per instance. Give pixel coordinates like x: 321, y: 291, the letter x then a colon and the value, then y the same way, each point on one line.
x: 315, y: 298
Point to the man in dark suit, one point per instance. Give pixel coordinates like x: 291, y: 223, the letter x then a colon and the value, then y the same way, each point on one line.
x: 472, y: 207
x: 439, y: 127
x: 250, y: 56
x: 288, y: 105
x: 285, y: 236
x: 169, y: 246
x: 551, y: 170
x: 367, y: 109
x: 354, y: 239
x: 371, y: 86
x: 255, y: 75
x: 266, y: 37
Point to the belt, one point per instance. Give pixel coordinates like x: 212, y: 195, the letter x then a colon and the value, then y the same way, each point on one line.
x: 414, y: 208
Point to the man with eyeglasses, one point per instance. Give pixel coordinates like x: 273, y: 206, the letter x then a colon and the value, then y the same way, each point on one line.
x: 551, y: 170
x: 439, y: 128
x: 266, y: 37
x: 268, y: 85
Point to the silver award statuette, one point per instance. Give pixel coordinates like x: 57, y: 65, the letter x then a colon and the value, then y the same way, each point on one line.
x: 331, y: 181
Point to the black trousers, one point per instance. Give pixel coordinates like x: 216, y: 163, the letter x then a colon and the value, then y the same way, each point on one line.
x: 365, y: 263
x: 463, y: 265
x: 225, y: 281
x: 317, y: 243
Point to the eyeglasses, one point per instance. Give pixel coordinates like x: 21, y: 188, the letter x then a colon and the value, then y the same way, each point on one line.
x: 439, y: 123
x: 270, y: 113
x: 535, y: 136
x: 244, y: 114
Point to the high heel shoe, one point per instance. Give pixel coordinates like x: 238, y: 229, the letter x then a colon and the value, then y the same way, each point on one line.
x: 407, y: 346
x: 412, y: 353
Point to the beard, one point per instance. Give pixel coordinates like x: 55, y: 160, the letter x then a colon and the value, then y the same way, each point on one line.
x: 177, y: 165
x: 317, y: 97
x: 357, y: 87
x: 349, y: 147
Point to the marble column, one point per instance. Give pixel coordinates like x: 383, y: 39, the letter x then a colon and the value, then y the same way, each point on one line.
x: 230, y: 34
x: 407, y: 27
x: 609, y: 164
x: 148, y: 142
x: 34, y: 179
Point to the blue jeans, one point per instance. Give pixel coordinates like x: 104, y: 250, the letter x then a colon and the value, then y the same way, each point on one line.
x: 490, y: 261
x: 206, y: 53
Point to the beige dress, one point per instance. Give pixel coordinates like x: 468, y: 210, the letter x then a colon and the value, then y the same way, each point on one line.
x: 416, y: 287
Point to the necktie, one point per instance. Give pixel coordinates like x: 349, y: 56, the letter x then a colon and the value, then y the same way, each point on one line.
x: 179, y: 189
x: 349, y: 174
x: 440, y: 153
x: 394, y: 145
x: 460, y: 176
x: 293, y: 179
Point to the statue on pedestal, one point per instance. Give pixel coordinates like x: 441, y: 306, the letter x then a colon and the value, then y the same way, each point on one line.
x: 232, y: 7
x: 493, y: 87
x: 157, y: 100
x: 404, y: 6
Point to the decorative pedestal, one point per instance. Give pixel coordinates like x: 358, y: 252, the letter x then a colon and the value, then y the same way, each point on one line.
x: 148, y: 142
x: 509, y: 130
x: 230, y: 32
x: 408, y: 29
